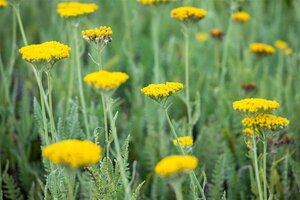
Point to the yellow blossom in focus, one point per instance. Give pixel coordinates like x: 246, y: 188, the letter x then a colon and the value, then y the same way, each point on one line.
x: 46, y: 52
x: 102, y: 34
x: 186, y: 13
x: 105, y: 80
x: 253, y: 105
x: 154, y: 2
x: 159, y: 91
x: 279, y: 44
x: 261, y: 49
x: 202, y: 37
x: 3, y: 3
x: 265, y: 121
x: 288, y: 51
x: 185, y: 141
x: 75, y: 9
x: 240, y: 16
x: 175, y: 164
x: 75, y: 153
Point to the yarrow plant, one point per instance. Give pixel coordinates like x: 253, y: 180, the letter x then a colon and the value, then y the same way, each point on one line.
x: 154, y: 2
x: 75, y: 9
x: 240, y: 17
x: 103, y: 34
x: 185, y: 141
x: 188, y: 14
x: 3, y: 3
x: 216, y: 34
x: 201, y: 36
x: 283, y: 46
x: 261, y: 49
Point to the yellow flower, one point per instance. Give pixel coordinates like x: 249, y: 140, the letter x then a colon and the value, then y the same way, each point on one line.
x: 217, y: 33
x: 159, y: 91
x: 3, y: 3
x: 288, y: 51
x: 261, y: 49
x: 240, y: 16
x: 154, y: 2
x: 253, y: 105
x: 175, y: 164
x: 105, y: 80
x: 74, y: 153
x: 186, y: 13
x: 46, y: 52
x: 248, y: 131
x: 102, y: 34
x: 185, y: 141
x: 201, y: 36
x: 279, y: 44
x: 265, y: 121
x: 75, y: 9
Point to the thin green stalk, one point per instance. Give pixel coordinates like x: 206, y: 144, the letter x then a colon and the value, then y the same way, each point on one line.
x: 155, y: 44
x: 255, y: 163
x: 52, y: 123
x: 79, y: 76
x: 71, y: 69
x: 13, y: 47
x: 176, y: 185
x: 17, y: 12
x: 265, y: 165
x: 104, y: 107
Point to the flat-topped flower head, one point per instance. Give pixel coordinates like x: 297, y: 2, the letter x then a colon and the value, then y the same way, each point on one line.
x: 154, y: 2
x: 281, y: 45
x: 254, y: 105
x: 185, y: 141
x: 241, y: 17
x: 47, y: 52
x: 105, y: 80
x: 217, y: 33
x: 267, y: 121
x: 75, y: 9
x: 261, y: 49
x: 3, y: 3
x: 74, y: 153
x: 162, y: 90
x: 187, y: 13
x: 201, y: 36
x: 175, y: 164
x: 103, y: 34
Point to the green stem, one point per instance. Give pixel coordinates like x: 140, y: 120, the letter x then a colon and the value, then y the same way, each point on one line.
x: 52, y: 123
x: 104, y: 107
x: 17, y: 12
x: 155, y: 45
x: 255, y: 162
x: 176, y: 185
x: 70, y: 176
x: 71, y: 69
x: 265, y: 165
x: 79, y: 76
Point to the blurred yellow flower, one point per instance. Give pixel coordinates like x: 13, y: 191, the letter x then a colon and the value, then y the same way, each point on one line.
x: 279, y: 44
x: 154, y: 2
x: 262, y: 49
x: 253, y: 105
x: 159, y: 91
x: 288, y: 51
x: 265, y: 121
x: 185, y: 141
x: 75, y: 9
x: 3, y: 3
x: 217, y: 33
x: 186, y: 13
x: 175, y: 164
x: 105, y: 80
x: 201, y: 36
x: 240, y: 16
x: 74, y: 153
x: 102, y: 34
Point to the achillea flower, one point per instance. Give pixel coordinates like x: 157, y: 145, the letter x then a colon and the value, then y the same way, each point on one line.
x: 261, y: 49
x: 201, y: 37
x: 46, y: 52
x: 159, y: 91
x: 75, y: 9
x: 186, y: 13
x: 240, y: 16
x: 250, y: 131
x: 185, y: 141
x: 74, y: 153
x: 105, y: 80
x: 3, y: 3
x: 254, y: 105
x: 288, y: 51
x: 217, y: 33
x: 265, y: 121
x: 175, y: 164
x: 154, y: 2
x: 281, y: 45
x: 98, y: 35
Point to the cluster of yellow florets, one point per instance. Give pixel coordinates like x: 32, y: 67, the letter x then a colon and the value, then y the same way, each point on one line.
x: 185, y: 141
x: 175, y: 164
x: 154, y: 2
x: 188, y: 13
x: 253, y: 105
x: 74, y: 153
x: 158, y: 91
x: 216, y: 33
x: 101, y: 34
x: 261, y: 49
x: 105, y: 80
x: 240, y: 16
x: 265, y: 121
x: 75, y: 9
x: 48, y: 51
x: 3, y: 3
x: 201, y: 36
x: 283, y: 46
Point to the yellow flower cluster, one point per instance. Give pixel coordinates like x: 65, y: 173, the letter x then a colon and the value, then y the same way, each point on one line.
x: 158, y: 91
x: 74, y: 153
x: 201, y: 36
x: 240, y: 16
x: 48, y: 51
x: 261, y: 49
x: 154, y: 2
x: 75, y: 9
x: 283, y: 46
x: 265, y: 121
x: 105, y: 80
x: 175, y: 164
x: 217, y: 33
x: 253, y: 105
x: 102, y: 34
x: 3, y: 3
x: 188, y: 13
x: 185, y: 141
x: 248, y: 131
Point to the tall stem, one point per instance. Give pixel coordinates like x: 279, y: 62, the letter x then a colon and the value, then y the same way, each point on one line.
x: 255, y: 162
x: 52, y: 123
x: 17, y: 12
x: 176, y: 185
x: 104, y: 107
x: 265, y: 165
x: 155, y: 44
